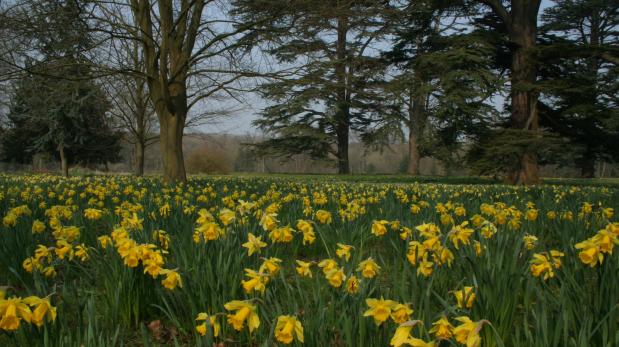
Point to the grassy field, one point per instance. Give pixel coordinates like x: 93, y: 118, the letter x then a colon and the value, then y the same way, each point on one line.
x: 313, y: 260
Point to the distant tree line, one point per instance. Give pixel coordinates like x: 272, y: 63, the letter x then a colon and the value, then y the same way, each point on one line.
x: 502, y: 85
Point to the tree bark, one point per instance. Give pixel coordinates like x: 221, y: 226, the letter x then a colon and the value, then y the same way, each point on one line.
x: 413, y: 154
x: 64, y: 162
x: 587, y: 166
x: 416, y: 118
x: 343, y: 164
x: 342, y: 126
x: 524, y: 116
x: 139, y: 159
x: 587, y: 162
x: 171, y: 142
x: 167, y: 65
x: 141, y: 117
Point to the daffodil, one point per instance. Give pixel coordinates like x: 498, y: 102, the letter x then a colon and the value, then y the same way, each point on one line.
x: 287, y: 328
x: 468, y: 331
x: 379, y: 309
x: 425, y: 267
x: 401, y: 336
x: 256, y: 282
x: 465, y: 297
x: 335, y: 277
x: 303, y: 268
x: 227, y: 216
x: 42, y: 309
x: 401, y: 313
x: 529, y: 241
x: 153, y: 263
x: 38, y: 226
x: 460, y: 234
x: 590, y: 253
x: 281, y: 234
x: 308, y: 231
x: 92, y: 214
x: 379, y: 227
x: 207, y: 321
x: 172, y: 279
x: 324, y: 217
x: 368, y: 268
x: 245, y: 312
x: 254, y: 244
x: 544, y: 264
x: 270, y: 266
x: 104, y: 241
x: 42, y: 252
x: 81, y: 252
x: 442, y: 329
x: 352, y: 285
x: 327, y: 265
x: 343, y: 251
x: 12, y: 312
x: 269, y: 221
x: 63, y: 249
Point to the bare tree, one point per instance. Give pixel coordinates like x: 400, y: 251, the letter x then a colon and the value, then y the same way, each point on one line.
x: 189, y: 60
x: 132, y: 108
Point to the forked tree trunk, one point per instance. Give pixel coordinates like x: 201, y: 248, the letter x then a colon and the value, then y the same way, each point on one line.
x: 167, y: 59
x: 523, y: 96
x: 64, y: 161
x: 171, y: 141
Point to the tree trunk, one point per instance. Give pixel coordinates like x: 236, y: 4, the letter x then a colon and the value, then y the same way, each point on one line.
x: 413, y: 154
x: 587, y: 166
x: 523, y: 75
x: 64, y: 162
x: 167, y: 60
x: 343, y: 112
x: 416, y: 118
x: 343, y: 164
x: 139, y: 159
x: 171, y: 140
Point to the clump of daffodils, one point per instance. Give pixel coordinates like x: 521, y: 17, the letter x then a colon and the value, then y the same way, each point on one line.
x: 544, y: 264
x: 593, y: 249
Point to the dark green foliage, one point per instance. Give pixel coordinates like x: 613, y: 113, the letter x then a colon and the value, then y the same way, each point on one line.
x: 331, y: 87
x: 497, y: 150
x: 55, y: 104
x: 47, y: 112
x: 579, y: 85
x: 444, y: 78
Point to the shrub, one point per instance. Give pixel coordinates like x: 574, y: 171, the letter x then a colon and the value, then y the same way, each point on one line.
x: 208, y: 160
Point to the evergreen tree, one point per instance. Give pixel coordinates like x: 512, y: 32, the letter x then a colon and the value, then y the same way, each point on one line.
x: 65, y: 119
x: 518, y: 19
x: 579, y: 85
x: 332, y: 89
x: 443, y: 80
x: 56, y: 107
